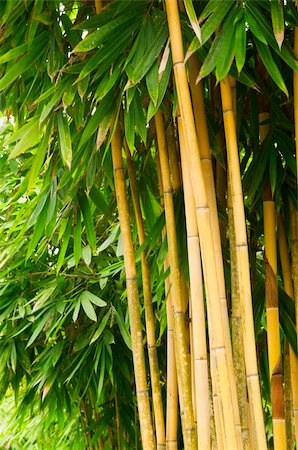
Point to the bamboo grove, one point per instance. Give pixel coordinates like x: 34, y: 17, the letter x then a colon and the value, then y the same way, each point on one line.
x: 149, y: 225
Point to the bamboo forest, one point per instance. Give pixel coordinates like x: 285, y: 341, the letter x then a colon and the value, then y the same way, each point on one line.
x: 148, y: 224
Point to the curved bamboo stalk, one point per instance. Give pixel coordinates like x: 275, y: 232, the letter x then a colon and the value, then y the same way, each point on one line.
x: 288, y: 286
x: 206, y: 161
x: 180, y: 335
x: 218, y: 348
x: 252, y: 376
x: 149, y: 315
x: 147, y: 434
x: 196, y: 305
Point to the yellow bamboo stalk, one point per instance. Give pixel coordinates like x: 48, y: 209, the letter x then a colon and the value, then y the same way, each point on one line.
x: 180, y: 335
x: 98, y: 6
x: 149, y: 315
x: 204, y: 224
x: 172, y: 384
x: 173, y: 157
x: 237, y: 338
x: 147, y: 434
x: 288, y: 286
x: 272, y: 316
x: 196, y: 305
x: 288, y: 399
x: 206, y: 161
x: 295, y: 78
x: 294, y: 251
x: 252, y: 376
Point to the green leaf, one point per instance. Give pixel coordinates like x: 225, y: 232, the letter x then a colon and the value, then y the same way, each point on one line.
x: 277, y: 16
x: 63, y: 248
x: 76, y: 310
x: 77, y: 240
x: 88, y: 307
x: 38, y: 231
x: 93, y: 299
x: 39, y: 327
x: 39, y: 158
x: 101, y: 327
x: 122, y: 327
x: 215, y: 19
x: 193, y: 18
x: 110, y: 239
x: 23, y: 64
x: 30, y: 138
x: 240, y: 45
x: 64, y: 139
x: 86, y: 255
x: 107, y: 83
x: 152, y: 82
x: 88, y: 220
x: 254, y: 28
x: 271, y: 67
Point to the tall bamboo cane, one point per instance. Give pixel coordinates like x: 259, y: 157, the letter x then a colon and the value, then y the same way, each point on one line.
x: 180, y: 337
x: 272, y: 316
x: 197, y: 305
x: 147, y: 434
x: 204, y: 224
x: 252, y: 376
x: 295, y: 76
x: 172, y: 386
x: 206, y: 161
x: 288, y: 285
x: 149, y: 315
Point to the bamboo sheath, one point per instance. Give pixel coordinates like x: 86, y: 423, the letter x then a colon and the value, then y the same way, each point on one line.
x: 204, y: 224
x: 252, y: 376
x: 201, y: 387
x: 206, y: 161
x: 146, y: 427
x: 149, y: 315
x: 180, y: 335
x: 272, y: 317
x: 288, y: 286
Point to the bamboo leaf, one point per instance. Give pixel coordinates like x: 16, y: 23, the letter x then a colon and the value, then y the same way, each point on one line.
x: 39, y: 327
x: 28, y: 140
x: 101, y: 327
x: 88, y: 307
x: 254, y: 28
x: 122, y: 327
x: 39, y: 158
x: 88, y: 220
x: 93, y: 299
x: 277, y: 16
x: 64, y: 139
x: 76, y: 310
x: 193, y: 18
x: 64, y: 246
x: 152, y: 82
x: 240, y: 45
x: 77, y: 240
x: 38, y: 230
x: 271, y: 67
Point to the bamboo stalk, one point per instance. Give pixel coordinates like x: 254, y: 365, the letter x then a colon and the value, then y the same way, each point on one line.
x: 237, y: 337
x: 98, y: 6
x: 147, y: 434
x: 180, y: 335
x: 206, y: 161
x: 217, y: 344
x: 252, y: 376
x: 172, y: 387
x: 288, y: 286
x: 149, y: 315
x: 196, y: 305
x: 295, y: 79
x: 173, y: 158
